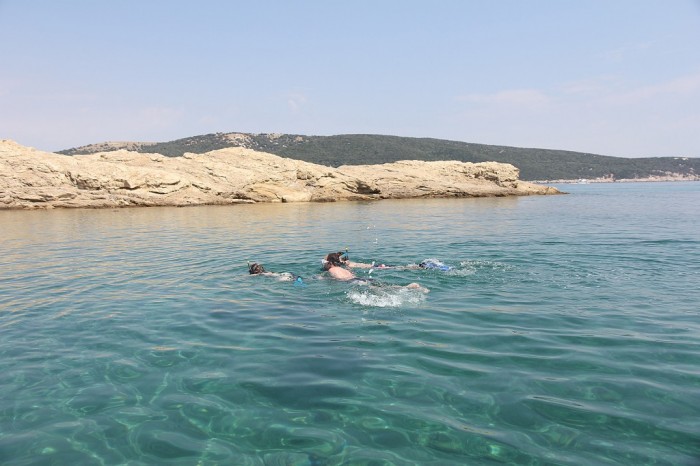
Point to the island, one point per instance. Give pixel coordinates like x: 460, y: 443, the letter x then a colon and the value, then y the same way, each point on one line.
x: 34, y: 179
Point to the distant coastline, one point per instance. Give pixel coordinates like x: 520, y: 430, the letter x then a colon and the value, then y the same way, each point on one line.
x: 652, y: 179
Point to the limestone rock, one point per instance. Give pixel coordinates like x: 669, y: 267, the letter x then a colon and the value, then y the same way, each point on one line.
x: 34, y: 179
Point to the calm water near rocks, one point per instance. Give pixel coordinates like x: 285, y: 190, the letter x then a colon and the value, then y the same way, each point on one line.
x: 566, y: 333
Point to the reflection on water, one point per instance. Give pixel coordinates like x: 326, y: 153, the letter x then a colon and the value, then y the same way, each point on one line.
x: 565, y: 332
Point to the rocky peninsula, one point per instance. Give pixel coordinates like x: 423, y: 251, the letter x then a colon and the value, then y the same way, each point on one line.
x: 33, y: 179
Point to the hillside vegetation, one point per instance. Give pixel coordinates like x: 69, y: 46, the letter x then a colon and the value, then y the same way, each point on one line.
x: 362, y: 149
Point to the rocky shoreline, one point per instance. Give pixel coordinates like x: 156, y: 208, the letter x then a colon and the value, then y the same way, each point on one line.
x: 32, y: 179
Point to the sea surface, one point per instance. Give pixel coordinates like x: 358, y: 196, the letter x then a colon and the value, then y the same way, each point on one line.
x: 566, y: 332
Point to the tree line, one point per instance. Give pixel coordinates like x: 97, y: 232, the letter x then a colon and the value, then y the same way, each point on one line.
x: 365, y: 149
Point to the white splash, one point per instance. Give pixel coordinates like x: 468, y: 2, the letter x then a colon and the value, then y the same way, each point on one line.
x: 389, y: 296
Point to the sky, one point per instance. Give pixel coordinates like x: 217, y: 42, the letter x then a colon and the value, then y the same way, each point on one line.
x: 618, y: 78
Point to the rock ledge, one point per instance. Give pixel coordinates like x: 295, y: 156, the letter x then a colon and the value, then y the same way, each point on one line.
x: 31, y: 179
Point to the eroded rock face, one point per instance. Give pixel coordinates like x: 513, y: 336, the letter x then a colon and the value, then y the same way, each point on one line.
x: 34, y: 179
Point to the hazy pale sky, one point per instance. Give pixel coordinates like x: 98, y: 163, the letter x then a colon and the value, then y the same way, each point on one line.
x: 613, y: 77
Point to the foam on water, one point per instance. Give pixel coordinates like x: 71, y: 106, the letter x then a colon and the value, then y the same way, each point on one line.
x: 476, y: 267
x: 385, y: 296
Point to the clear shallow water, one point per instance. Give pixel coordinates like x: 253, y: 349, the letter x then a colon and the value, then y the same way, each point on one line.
x: 568, y: 332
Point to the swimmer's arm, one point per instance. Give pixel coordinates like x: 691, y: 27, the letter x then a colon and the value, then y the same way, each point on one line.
x: 358, y: 265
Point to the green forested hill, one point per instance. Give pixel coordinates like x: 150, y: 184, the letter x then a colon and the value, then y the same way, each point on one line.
x: 360, y: 149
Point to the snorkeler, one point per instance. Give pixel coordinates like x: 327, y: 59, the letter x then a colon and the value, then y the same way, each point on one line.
x: 333, y: 264
x: 434, y: 264
x: 345, y: 260
x: 258, y: 269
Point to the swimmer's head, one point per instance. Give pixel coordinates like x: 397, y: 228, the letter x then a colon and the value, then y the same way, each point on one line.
x: 255, y: 268
x: 333, y: 259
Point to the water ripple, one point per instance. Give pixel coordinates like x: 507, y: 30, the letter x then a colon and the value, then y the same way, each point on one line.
x: 560, y: 335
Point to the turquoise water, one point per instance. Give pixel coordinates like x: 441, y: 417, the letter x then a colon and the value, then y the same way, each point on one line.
x: 567, y: 333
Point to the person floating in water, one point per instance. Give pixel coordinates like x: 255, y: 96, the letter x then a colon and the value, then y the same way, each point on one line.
x: 345, y: 261
x: 428, y: 264
x: 434, y: 264
x: 342, y: 259
x: 333, y: 264
x: 258, y: 269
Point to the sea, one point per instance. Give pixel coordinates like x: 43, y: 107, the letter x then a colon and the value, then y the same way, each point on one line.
x: 558, y: 330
